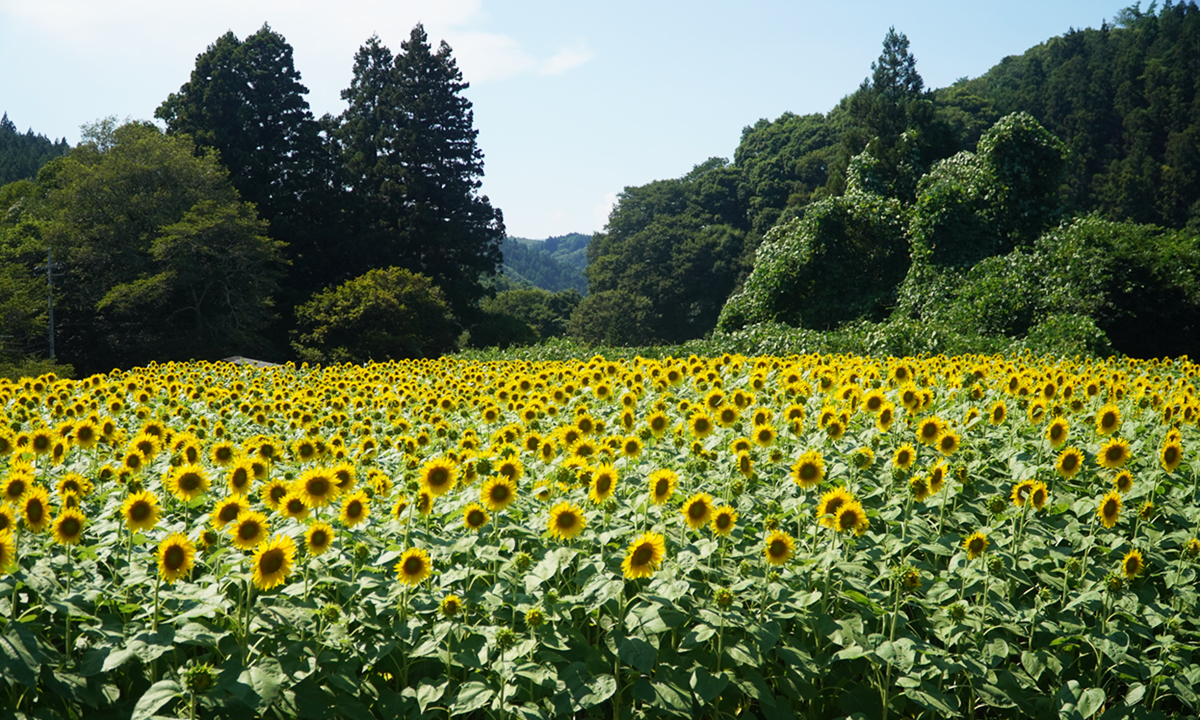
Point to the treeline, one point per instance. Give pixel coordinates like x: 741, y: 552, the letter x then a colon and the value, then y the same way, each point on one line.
x: 252, y: 227
x: 22, y: 155
x: 554, y: 264
x: 863, y: 183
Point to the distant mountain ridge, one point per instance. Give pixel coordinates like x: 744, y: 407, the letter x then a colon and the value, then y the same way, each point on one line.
x: 554, y: 264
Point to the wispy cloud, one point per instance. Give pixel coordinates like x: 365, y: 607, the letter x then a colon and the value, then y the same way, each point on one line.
x: 567, y: 59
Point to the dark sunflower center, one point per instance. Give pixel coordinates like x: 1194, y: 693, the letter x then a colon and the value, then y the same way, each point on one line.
x: 697, y: 510
x: 808, y: 471
x: 319, y: 539
x: 566, y: 520
x: 174, y: 557
x: 229, y: 513
x: 643, y: 555
x: 603, y: 484
x: 139, y: 511
x: 499, y: 493
x: 1114, y: 453
x: 1070, y: 462
x: 271, y: 562
x: 318, y: 487
x: 724, y: 521
x: 70, y: 527
x: 834, y: 505
x: 248, y: 530
x: 438, y: 477
x: 295, y: 506
x: 413, y: 566
x: 661, y: 487
x: 1110, y: 508
x: 354, y: 509
x: 475, y: 518
x: 35, y: 511
x: 848, y: 519
x: 778, y: 548
x: 189, y: 482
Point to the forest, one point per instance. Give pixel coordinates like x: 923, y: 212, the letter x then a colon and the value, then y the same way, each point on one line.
x: 898, y: 222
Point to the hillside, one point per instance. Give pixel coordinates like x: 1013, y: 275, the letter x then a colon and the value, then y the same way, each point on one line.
x: 554, y: 264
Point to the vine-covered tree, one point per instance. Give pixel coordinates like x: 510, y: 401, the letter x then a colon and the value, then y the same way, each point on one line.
x: 412, y: 165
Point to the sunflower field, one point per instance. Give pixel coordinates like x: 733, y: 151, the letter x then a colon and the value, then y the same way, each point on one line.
x: 804, y: 536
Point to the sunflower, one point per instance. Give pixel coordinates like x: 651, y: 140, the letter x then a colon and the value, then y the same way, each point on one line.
x: 438, y: 476
x: 344, y: 477
x: 1020, y: 492
x: 1132, y: 564
x: 68, y: 527
x: 851, y: 516
x: 929, y: 429
x: 658, y: 423
x: 745, y: 464
x: 885, y: 417
x: 240, y: 477
x: 319, y: 537
x: 728, y: 415
x: 835, y: 429
x: 1069, y: 462
x: 948, y: 442
x: 475, y: 517
x: 701, y: 424
x: 662, y: 485
x: 723, y: 520
x: 1057, y: 431
x: 293, y: 506
x: 223, y: 453
x: 133, y: 461
x: 450, y: 606
x: 273, y: 561
x: 566, y: 521
x: 698, y: 509
x: 778, y: 548
x: 644, y: 555
x: 413, y: 566
x: 976, y: 544
x: 15, y: 486
x: 1171, y: 455
x: 1038, y: 495
x: 937, y: 477
x: 355, y: 508
x: 631, y: 447
x: 904, y: 457
x: 497, y: 493
x: 35, y: 507
x: 175, y: 556
x: 1114, y: 454
x: 1109, y: 509
x: 918, y: 486
x: 318, y: 487
x: 87, y: 434
x: 997, y: 412
x: 604, y: 481
x: 1108, y: 419
x: 8, y: 552
x: 809, y: 470
x: 140, y: 510
x: 830, y: 503
x: 1123, y: 481
x: 273, y: 493
x: 512, y: 468
x: 41, y: 441
x: 8, y: 519
x: 249, y: 529
x: 425, y: 502
x: 187, y: 482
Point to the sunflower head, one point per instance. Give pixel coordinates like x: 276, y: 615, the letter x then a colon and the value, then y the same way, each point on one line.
x: 176, y: 554
x: 975, y: 545
x: 355, y: 508
x: 35, y: 507
x: 474, y: 516
x: 1069, y: 462
x: 68, y: 527
x: 292, y: 506
x: 829, y: 505
x: 498, y: 493
x: 317, y: 487
x: 450, y: 606
x: 1114, y: 454
x: 778, y: 548
x: 644, y: 555
x: 1108, y: 419
x: 319, y: 538
x: 662, y: 485
x: 413, y: 566
x: 851, y: 517
x: 1132, y: 564
x: 273, y: 561
x: 566, y: 521
x: 248, y: 530
x: 1171, y: 455
x: 808, y: 470
x: 1123, y: 481
x: 724, y: 519
x: 904, y: 457
x: 1109, y: 509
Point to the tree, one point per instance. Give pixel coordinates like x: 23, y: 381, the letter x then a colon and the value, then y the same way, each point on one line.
x: 161, y: 259
x: 408, y: 144
x: 21, y: 156
x: 246, y: 101
x: 387, y: 313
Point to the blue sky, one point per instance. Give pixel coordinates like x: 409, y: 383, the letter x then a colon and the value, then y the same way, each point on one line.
x: 573, y: 101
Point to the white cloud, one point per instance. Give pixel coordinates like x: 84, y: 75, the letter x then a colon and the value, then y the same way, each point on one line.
x: 566, y: 59
x: 601, y: 212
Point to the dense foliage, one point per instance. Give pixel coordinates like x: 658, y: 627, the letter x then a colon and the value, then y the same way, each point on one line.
x: 780, y: 537
x: 555, y: 264
x: 22, y: 155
